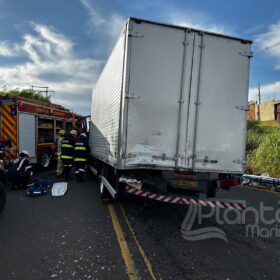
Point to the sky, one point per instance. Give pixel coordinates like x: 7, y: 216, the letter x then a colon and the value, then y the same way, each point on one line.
x: 64, y: 44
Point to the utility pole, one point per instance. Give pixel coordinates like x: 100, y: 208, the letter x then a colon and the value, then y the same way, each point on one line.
x: 46, y: 90
x: 259, y: 102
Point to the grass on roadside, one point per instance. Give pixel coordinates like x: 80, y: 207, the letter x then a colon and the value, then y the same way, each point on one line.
x: 263, y: 149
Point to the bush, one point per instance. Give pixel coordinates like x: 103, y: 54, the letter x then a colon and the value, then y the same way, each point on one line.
x: 253, y: 140
x: 25, y: 93
x: 252, y: 124
x: 265, y: 153
x: 255, y: 134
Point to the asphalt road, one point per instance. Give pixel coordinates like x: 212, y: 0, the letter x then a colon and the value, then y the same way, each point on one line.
x: 78, y: 237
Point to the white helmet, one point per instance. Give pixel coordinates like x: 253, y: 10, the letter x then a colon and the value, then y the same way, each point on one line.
x: 25, y: 152
x: 73, y: 132
x: 83, y: 135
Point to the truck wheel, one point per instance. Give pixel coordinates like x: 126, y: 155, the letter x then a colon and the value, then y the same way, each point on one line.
x: 2, y: 197
x: 212, y: 189
x: 46, y: 159
x: 121, y: 194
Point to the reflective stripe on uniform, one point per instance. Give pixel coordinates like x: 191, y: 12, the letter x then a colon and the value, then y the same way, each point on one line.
x: 66, y: 146
x: 66, y: 157
x: 20, y: 165
x: 80, y: 148
x: 80, y: 159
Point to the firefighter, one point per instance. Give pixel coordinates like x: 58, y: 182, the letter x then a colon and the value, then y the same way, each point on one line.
x: 80, y: 157
x: 20, y: 172
x: 59, y: 167
x: 67, y: 153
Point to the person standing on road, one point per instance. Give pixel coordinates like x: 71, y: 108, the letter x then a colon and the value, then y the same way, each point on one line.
x: 81, y: 155
x: 59, y: 166
x: 67, y: 153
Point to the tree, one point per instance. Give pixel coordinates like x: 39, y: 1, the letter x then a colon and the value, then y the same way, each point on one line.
x: 25, y: 93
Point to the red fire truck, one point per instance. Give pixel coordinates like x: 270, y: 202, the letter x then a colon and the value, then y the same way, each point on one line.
x: 27, y: 124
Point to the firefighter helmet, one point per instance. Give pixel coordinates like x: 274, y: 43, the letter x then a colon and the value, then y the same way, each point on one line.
x: 24, y: 152
x: 61, y: 132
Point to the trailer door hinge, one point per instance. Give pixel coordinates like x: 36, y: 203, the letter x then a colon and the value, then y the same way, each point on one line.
x: 248, y: 54
x: 242, y: 108
x: 135, y: 34
x: 206, y: 160
x: 239, y: 161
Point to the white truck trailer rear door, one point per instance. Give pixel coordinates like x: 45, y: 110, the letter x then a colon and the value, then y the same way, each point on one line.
x: 152, y: 94
x: 216, y: 134
x: 186, y: 95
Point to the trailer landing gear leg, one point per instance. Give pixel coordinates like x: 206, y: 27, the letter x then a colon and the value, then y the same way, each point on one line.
x: 145, y: 206
x: 104, y: 195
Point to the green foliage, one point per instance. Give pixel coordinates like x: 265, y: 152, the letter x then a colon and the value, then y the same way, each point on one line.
x: 269, y: 123
x: 25, y: 93
x: 252, y: 124
x: 254, y: 136
x: 263, y: 150
x: 253, y: 140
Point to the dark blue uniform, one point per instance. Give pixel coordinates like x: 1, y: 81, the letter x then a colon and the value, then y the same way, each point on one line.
x: 20, y: 173
x: 67, y: 154
x: 81, y: 153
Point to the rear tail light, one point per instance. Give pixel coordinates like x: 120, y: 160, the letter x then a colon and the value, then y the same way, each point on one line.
x: 227, y: 183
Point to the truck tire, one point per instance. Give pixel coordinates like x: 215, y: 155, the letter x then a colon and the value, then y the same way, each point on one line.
x: 2, y: 197
x: 121, y: 194
x: 46, y: 159
x: 212, y: 189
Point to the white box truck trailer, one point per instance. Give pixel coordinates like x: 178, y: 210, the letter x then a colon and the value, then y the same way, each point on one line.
x: 169, y: 111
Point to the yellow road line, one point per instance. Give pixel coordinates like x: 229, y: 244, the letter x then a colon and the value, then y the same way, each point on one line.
x: 130, y: 266
x: 146, y: 260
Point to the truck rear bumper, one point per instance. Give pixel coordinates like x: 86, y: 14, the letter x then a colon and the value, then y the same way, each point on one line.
x: 187, y: 200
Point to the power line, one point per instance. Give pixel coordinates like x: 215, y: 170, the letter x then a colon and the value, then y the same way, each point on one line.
x: 46, y: 91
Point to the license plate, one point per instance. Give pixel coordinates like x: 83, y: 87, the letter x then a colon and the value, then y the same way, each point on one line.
x: 185, y: 182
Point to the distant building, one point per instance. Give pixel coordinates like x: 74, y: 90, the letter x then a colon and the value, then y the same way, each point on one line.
x: 269, y: 110
x: 252, y: 113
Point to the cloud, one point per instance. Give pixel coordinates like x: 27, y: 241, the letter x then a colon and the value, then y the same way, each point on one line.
x: 199, y: 25
x: 8, y: 49
x: 270, y: 42
x: 268, y: 91
x: 195, y: 20
x: 111, y: 25
x: 51, y: 61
